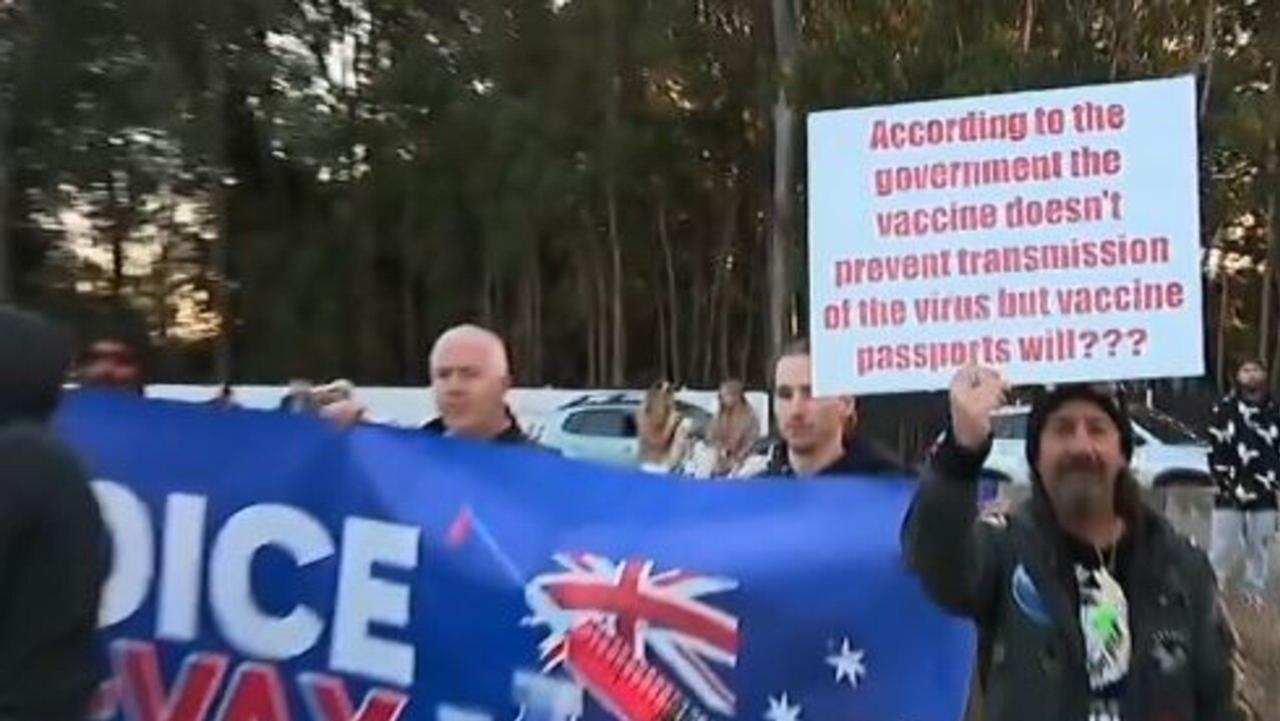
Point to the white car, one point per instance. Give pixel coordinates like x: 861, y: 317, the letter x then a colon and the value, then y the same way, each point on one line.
x: 1165, y: 452
x: 602, y: 427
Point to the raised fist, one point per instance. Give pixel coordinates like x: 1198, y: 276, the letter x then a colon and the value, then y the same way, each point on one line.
x: 976, y: 393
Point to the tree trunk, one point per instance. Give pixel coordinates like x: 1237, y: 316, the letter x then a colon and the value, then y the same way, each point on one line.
x: 612, y: 119
x: 13, y: 59
x: 1208, y: 49
x: 672, y: 303
x: 222, y: 289
x: 595, y: 296
x: 162, y: 270
x: 784, y: 130
x: 538, y: 371
x: 744, y: 349
x: 717, y: 310
x: 726, y: 306
x: 617, y: 373
x: 1224, y: 319
x: 1271, y: 288
x: 1123, y: 36
x: 663, y: 364
x: 7, y: 274
x: 410, y: 319
x: 1271, y: 279
x: 586, y: 294
x: 215, y: 65
x: 697, y: 299
x: 1264, y: 337
x: 1116, y: 40
x: 115, y: 236
x: 486, y: 290
x: 603, y: 331
x: 370, y: 364
x: 528, y: 335
x: 1028, y: 25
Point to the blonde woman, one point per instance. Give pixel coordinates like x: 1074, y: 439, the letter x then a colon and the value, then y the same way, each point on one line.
x: 663, y: 434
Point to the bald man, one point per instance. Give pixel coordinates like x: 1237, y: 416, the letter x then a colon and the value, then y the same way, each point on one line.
x: 471, y: 375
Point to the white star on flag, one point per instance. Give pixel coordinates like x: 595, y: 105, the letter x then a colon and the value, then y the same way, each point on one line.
x: 848, y: 664
x: 781, y: 709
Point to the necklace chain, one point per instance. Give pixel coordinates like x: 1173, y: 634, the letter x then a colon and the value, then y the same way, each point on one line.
x: 1109, y: 564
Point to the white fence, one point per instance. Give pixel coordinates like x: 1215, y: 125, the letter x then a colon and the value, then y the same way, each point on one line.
x: 414, y: 406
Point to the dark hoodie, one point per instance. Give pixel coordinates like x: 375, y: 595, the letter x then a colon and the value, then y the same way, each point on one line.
x: 861, y: 458
x: 52, y: 541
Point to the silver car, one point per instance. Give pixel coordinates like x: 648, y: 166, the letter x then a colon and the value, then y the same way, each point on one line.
x: 603, y: 427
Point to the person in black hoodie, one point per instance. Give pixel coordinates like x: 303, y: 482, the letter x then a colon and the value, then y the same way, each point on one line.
x: 1245, y: 461
x: 52, y: 541
x: 819, y: 435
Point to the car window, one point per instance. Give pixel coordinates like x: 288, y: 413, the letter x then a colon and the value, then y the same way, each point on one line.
x: 697, y: 416
x: 1010, y: 427
x: 601, y: 423
x: 1165, y: 428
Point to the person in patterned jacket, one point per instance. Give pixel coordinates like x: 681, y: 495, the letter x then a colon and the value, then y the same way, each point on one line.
x: 1245, y: 461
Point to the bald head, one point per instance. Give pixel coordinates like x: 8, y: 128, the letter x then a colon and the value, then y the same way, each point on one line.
x: 470, y: 375
x: 481, y: 344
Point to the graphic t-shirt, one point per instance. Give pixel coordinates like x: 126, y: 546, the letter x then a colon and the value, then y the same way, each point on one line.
x: 1104, y: 622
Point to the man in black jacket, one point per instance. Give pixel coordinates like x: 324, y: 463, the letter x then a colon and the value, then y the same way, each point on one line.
x: 1092, y: 607
x: 820, y: 435
x: 52, y: 541
x: 1245, y: 461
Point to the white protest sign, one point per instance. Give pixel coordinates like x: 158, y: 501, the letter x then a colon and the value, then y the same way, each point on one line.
x: 1052, y: 234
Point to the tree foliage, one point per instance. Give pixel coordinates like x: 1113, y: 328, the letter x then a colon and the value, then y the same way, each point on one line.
x: 318, y: 187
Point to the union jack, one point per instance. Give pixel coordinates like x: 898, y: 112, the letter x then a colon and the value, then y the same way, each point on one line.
x: 659, y: 612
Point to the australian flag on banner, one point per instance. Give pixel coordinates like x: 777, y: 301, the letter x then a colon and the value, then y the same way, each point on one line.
x: 268, y: 567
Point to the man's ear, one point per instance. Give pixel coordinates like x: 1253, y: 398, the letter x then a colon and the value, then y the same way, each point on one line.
x: 850, y: 406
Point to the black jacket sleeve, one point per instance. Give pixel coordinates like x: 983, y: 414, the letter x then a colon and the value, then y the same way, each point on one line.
x: 1215, y: 648
x: 956, y: 555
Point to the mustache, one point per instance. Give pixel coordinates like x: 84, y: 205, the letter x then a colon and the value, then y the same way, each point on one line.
x: 1080, y: 464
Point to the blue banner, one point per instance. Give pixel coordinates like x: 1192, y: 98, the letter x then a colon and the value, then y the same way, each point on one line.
x: 269, y: 567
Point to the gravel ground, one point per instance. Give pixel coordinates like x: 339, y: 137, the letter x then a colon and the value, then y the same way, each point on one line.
x: 1259, y: 629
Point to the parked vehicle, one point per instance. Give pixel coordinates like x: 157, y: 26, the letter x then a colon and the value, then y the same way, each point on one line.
x: 1166, y: 452
x: 603, y: 427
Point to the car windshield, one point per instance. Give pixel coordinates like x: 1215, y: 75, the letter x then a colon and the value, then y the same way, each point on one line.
x: 1166, y: 429
x: 617, y: 419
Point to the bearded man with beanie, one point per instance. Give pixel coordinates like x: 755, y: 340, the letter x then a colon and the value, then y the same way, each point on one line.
x: 1090, y: 606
